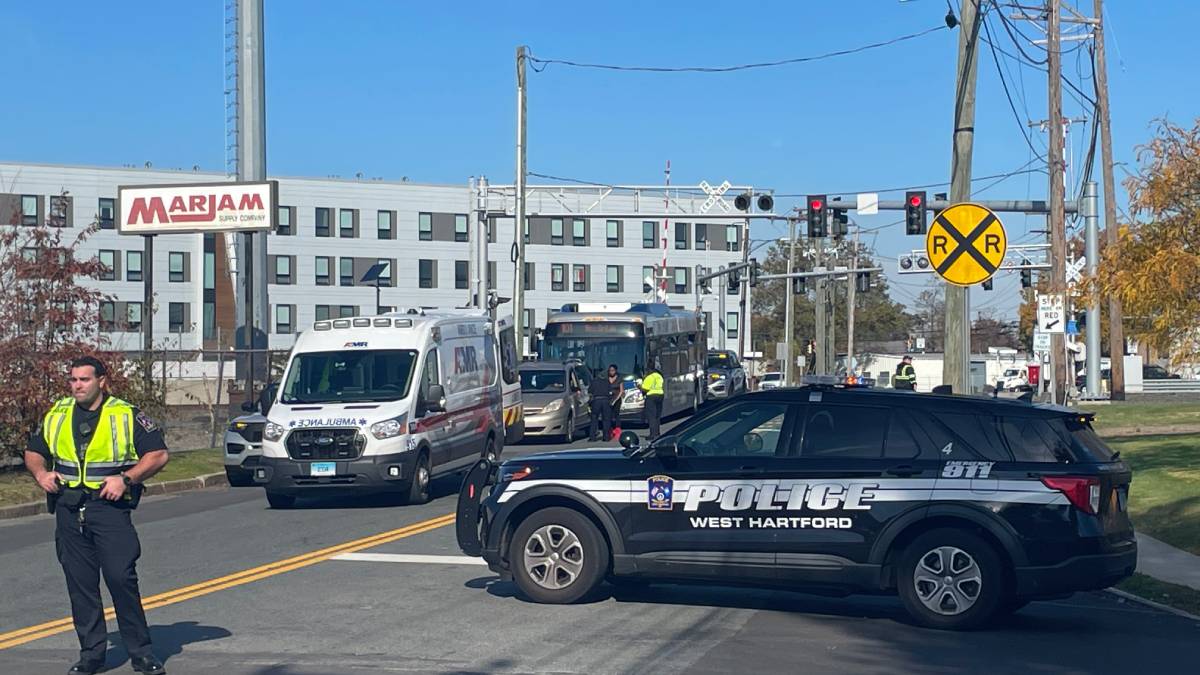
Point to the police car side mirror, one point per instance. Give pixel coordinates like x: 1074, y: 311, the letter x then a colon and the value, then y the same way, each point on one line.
x: 437, y: 399
x: 248, y: 406
x: 665, y: 447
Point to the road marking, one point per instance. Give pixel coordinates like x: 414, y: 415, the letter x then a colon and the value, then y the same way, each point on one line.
x: 411, y: 558
x: 31, y: 633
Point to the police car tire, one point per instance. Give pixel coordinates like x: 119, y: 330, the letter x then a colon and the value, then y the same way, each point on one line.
x: 416, y: 492
x: 595, y: 556
x: 992, y: 592
x: 280, y: 501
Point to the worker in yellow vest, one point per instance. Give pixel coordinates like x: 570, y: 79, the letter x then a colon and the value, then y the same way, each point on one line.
x: 91, y: 455
x: 653, y: 389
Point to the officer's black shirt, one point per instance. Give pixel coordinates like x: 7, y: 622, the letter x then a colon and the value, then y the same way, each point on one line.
x: 147, y: 436
x: 599, y: 389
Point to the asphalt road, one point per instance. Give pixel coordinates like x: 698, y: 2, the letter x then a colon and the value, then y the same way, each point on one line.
x: 220, y: 601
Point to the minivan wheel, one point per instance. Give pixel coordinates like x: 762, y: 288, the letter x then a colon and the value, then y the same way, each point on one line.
x: 418, y: 484
x: 279, y: 500
x: 558, y: 556
x: 950, y: 579
x: 569, y: 429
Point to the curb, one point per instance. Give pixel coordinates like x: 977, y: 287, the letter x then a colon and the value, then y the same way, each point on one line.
x: 1156, y: 605
x: 164, y: 488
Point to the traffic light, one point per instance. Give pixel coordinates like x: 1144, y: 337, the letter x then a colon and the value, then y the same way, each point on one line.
x: 735, y: 277
x: 705, y: 285
x: 915, y: 207
x: 862, y: 282
x: 1026, y: 276
x: 799, y: 285
x: 816, y: 216
x: 840, y: 223
x: 754, y: 270
x: 987, y: 284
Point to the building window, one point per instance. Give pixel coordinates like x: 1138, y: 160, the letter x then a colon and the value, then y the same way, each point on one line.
x: 681, y: 280
x: 427, y: 274
x: 175, y: 267
x: 612, y: 231
x: 530, y: 275
x: 108, y: 261
x: 284, y: 315
x: 283, y: 269
x: 322, y: 313
x: 579, y: 279
x: 29, y: 254
x: 732, y: 238
x: 283, y: 220
x: 385, y: 274
x: 322, y: 268
x: 108, y: 316
x: 107, y: 213
x: 210, y: 271
x: 133, y: 316
x: 425, y: 226
x: 579, y: 232
x: 491, y: 278
x: 346, y: 272
x: 176, y: 317
x: 731, y: 325
x: 649, y: 234
x: 384, y: 223
x: 460, y: 227
x: 29, y: 210
x: 210, y: 320
x: 528, y: 318
x: 681, y: 236
x: 558, y: 277
x: 462, y: 270
x: 324, y: 216
x: 647, y: 279
x: 347, y: 311
x: 526, y: 232
x: 701, y: 237
x: 60, y: 208
x: 612, y: 279
x: 347, y: 219
x: 708, y: 323
x: 556, y: 231
x: 133, y: 266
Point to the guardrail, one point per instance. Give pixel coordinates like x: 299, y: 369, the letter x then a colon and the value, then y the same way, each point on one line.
x: 1171, y: 386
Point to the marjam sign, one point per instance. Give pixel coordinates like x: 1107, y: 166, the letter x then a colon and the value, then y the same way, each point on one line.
x: 197, y: 207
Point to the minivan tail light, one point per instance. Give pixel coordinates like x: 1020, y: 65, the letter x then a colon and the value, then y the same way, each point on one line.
x: 1083, y: 492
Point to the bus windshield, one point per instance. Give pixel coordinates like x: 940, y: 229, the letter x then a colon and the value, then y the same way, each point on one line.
x: 349, y: 376
x: 597, y: 353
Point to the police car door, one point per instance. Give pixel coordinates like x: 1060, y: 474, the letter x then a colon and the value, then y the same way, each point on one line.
x: 852, y: 469
x: 697, y: 520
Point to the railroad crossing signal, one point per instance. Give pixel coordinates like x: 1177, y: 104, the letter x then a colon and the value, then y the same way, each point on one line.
x: 966, y: 244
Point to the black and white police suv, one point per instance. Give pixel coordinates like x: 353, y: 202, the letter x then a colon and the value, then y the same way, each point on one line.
x: 966, y: 507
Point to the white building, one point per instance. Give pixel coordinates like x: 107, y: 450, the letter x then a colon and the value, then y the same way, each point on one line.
x: 331, y: 231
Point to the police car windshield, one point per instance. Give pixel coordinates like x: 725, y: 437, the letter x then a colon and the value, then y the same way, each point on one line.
x: 543, y: 381
x: 349, y: 376
x: 719, y: 361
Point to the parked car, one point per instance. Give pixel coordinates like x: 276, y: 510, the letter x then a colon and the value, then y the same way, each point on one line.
x: 724, y: 375
x: 243, y: 439
x: 555, y: 397
x: 770, y: 380
x: 1153, y: 372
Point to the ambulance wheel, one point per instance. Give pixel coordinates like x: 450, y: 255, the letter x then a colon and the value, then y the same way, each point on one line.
x: 950, y: 579
x: 557, y: 556
x: 280, y: 501
x: 418, y: 484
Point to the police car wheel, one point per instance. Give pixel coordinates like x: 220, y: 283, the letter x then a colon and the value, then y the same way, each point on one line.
x: 950, y: 579
x: 280, y: 501
x: 418, y: 485
x: 557, y: 556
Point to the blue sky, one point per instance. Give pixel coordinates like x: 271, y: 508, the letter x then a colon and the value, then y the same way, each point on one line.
x: 425, y: 90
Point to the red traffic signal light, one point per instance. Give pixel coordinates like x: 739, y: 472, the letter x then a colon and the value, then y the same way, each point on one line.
x: 815, y: 204
x: 914, y: 213
x: 816, y: 216
x: 914, y: 200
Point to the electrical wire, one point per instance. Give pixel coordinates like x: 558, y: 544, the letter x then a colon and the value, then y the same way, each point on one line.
x: 1010, y: 174
x: 727, y: 69
x: 1007, y: 94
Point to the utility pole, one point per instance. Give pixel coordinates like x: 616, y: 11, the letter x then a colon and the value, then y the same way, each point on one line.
x: 1057, y: 215
x: 722, y: 329
x: 790, y: 308
x: 851, y: 288
x: 519, y: 221
x: 956, y: 365
x: 819, y: 306
x: 1092, y: 253
x: 831, y: 316
x: 252, y: 166
x: 744, y: 293
x: 1116, y: 333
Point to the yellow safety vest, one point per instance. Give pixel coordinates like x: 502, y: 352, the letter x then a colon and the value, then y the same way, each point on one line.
x: 653, y: 385
x: 907, y: 373
x: 110, y: 451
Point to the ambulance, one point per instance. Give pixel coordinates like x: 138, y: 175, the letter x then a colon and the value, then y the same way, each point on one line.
x: 385, y: 404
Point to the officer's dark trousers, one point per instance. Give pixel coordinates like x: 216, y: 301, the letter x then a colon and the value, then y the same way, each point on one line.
x: 105, y: 542
x: 602, y: 413
x: 654, y: 405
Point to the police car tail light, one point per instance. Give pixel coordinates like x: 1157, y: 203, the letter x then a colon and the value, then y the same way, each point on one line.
x: 1083, y: 492
x: 272, y: 431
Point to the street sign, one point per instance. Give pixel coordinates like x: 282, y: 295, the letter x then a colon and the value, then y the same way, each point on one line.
x: 921, y: 343
x: 1051, y: 316
x: 781, y: 350
x: 1041, y: 342
x: 1072, y: 327
x: 868, y: 203
x: 714, y: 196
x: 1075, y: 270
x: 966, y: 244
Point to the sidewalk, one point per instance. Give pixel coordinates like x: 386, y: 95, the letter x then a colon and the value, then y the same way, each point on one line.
x: 1167, y: 563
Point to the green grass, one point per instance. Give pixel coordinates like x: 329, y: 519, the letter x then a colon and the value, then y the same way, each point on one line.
x: 17, y: 486
x: 1164, y: 500
x: 1179, y: 597
x: 1129, y: 416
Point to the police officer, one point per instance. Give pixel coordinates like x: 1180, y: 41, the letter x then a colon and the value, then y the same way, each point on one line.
x: 652, y: 387
x: 91, y: 455
x: 600, y: 404
x: 906, y: 376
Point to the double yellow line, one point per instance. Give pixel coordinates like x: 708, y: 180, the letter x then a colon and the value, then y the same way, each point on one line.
x: 31, y: 633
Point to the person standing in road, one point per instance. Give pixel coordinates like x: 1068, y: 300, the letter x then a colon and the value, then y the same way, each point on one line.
x: 810, y: 357
x: 601, y: 407
x: 91, y: 455
x: 652, y: 387
x: 906, y: 375
x: 615, y: 389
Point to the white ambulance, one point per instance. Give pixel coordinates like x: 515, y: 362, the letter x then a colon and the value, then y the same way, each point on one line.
x: 383, y: 404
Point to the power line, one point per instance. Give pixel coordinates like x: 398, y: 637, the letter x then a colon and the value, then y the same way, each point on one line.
x: 727, y: 69
x: 1003, y: 82
x: 1010, y: 174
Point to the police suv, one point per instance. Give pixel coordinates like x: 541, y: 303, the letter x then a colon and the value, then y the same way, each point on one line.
x: 966, y: 507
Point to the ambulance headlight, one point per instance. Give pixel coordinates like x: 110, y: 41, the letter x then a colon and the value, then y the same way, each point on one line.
x: 272, y: 432
x: 388, y: 428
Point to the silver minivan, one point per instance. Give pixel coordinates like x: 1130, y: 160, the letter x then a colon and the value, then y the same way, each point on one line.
x: 555, y: 397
